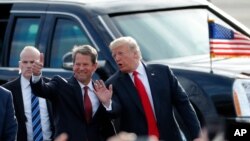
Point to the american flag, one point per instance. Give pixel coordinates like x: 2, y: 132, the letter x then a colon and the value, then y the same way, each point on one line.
x: 225, y: 42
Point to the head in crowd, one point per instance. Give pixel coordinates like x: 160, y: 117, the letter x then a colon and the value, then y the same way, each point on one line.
x: 28, y: 56
x: 84, y: 62
x: 126, y: 53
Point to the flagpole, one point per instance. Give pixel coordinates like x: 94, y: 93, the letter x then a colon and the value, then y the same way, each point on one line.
x: 210, y: 51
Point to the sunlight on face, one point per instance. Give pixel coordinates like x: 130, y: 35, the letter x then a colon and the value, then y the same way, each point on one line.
x: 25, y: 64
x: 83, y: 68
x: 126, y: 58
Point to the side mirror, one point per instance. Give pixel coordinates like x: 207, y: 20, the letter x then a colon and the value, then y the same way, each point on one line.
x: 67, y: 61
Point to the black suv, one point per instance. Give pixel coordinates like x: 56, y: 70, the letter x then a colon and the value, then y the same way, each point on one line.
x: 174, y: 33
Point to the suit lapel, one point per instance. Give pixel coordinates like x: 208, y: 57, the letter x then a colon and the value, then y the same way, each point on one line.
x: 152, y: 79
x: 98, y: 112
x: 18, y: 98
x: 131, y: 90
x: 77, y: 92
x: 50, y: 112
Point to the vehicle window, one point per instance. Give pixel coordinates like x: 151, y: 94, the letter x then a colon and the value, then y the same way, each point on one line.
x: 4, y: 18
x: 167, y: 34
x: 67, y: 34
x: 174, y: 36
x: 25, y: 33
x: 3, y: 25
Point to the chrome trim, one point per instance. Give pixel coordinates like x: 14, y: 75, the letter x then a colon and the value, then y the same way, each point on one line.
x: 106, y: 27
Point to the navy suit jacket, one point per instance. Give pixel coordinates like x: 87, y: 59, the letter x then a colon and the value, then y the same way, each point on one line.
x: 67, y: 102
x: 15, y: 87
x: 166, y: 93
x: 8, y: 123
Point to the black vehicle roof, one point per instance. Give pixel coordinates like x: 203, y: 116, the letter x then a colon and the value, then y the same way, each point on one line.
x: 118, y: 6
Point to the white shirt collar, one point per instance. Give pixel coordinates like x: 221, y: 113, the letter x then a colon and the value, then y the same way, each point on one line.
x: 140, y: 69
x: 25, y: 82
x: 90, y: 85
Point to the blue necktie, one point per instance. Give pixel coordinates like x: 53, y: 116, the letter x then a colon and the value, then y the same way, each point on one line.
x: 36, y: 119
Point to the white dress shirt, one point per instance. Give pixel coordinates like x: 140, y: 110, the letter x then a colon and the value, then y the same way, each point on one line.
x: 144, y: 79
x: 93, y: 98
x: 45, y: 122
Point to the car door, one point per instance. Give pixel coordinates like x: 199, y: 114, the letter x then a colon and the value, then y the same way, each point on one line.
x: 23, y: 29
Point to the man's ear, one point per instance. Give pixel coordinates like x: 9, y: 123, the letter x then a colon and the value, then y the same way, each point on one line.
x: 96, y: 66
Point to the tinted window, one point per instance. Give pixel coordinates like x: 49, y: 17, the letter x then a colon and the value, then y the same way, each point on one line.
x: 174, y: 36
x: 67, y: 34
x: 3, y: 25
x: 4, y: 18
x: 167, y: 34
x: 25, y: 33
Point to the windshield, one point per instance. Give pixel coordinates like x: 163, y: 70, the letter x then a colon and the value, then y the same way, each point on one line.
x: 167, y: 34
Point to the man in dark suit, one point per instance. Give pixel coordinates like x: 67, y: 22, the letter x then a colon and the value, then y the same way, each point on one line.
x: 78, y: 112
x: 144, y: 95
x: 22, y: 96
x: 8, y: 123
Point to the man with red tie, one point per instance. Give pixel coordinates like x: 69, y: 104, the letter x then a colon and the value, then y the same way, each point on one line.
x: 77, y: 110
x: 143, y: 96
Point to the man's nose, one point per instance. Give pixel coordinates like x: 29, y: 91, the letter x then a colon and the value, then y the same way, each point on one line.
x: 81, y: 67
x: 30, y: 64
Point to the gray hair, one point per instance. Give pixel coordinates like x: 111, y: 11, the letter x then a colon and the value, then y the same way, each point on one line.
x: 85, y: 50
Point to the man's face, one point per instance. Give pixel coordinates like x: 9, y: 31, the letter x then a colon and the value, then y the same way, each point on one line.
x: 26, y: 61
x: 83, y: 68
x: 126, y: 58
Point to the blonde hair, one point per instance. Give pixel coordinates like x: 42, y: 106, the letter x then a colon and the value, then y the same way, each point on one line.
x: 129, y: 41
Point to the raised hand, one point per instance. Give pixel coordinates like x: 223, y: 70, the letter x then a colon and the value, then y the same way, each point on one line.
x: 103, y: 93
x: 38, y: 65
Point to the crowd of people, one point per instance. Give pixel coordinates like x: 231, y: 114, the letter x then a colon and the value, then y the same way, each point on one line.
x: 135, y: 103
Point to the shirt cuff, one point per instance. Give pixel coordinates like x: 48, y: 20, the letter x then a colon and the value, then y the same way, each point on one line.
x: 109, y: 108
x: 35, y: 79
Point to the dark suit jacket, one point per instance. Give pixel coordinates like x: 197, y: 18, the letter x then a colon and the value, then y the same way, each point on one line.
x: 166, y: 93
x: 66, y: 98
x: 15, y: 87
x: 8, y: 123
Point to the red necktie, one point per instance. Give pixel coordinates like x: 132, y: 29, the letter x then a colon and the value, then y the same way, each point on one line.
x: 87, y: 105
x: 152, y: 127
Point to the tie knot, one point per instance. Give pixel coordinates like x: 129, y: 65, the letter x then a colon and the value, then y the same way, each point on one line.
x: 85, y: 88
x: 135, y: 73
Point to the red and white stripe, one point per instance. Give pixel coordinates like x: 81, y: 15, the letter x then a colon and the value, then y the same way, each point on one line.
x: 239, y: 46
